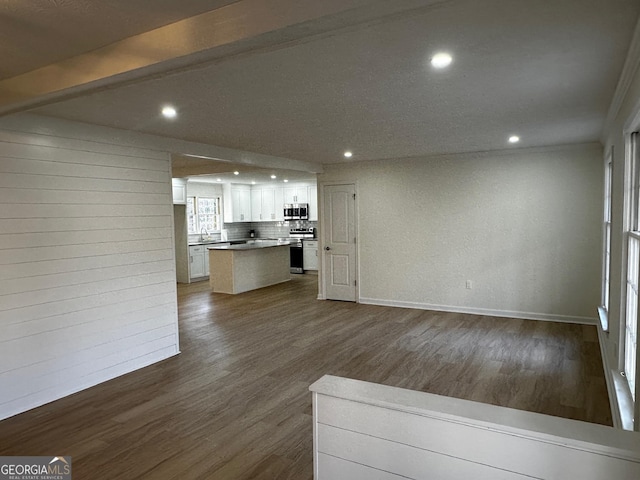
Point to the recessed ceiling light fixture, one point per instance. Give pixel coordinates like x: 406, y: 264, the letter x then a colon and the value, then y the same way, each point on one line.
x: 218, y: 179
x: 285, y: 180
x: 169, y: 112
x: 441, y: 60
x: 273, y: 177
x: 514, y: 139
x: 348, y: 154
x: 236, y: 172
x: 253, y: 182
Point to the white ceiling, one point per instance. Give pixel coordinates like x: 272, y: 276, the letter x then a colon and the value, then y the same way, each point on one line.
x: 545, y: 70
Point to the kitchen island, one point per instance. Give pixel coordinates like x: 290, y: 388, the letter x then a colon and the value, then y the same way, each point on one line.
x: 247, y: 266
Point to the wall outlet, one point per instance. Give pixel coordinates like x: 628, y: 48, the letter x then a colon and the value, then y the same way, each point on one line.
x: 469, y: 284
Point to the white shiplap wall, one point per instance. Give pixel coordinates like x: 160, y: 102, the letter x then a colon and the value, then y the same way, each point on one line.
x: 367, y: 431
x: 87, y: 272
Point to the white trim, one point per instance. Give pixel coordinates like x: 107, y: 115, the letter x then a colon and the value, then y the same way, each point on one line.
x: 631, y: 65
x: 608, y: 376
x: 603, y: 315
x: 482, y: 311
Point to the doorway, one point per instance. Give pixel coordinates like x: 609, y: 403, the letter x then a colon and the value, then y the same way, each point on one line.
x: 339, y: 242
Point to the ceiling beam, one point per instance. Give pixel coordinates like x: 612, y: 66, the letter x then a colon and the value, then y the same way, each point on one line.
x: 240, y: 27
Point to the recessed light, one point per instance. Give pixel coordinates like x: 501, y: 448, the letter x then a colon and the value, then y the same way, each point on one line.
x: 169, y: 112
x: 441, y: 60
x: 285, y: 180
x: 253, y: 182
x: 273, y: 177
x: 348, y: 154
x: 514, y: 139
x: 236, y: 172
x: 218, y: 179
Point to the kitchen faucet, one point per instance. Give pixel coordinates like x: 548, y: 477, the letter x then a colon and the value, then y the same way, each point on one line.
x: 202, y: 236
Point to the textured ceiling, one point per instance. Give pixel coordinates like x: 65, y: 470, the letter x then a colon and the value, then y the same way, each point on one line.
x: 546, y: 71
x: 34, y: 33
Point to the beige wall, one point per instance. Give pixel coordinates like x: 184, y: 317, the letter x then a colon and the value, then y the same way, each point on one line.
x: 522, y: 225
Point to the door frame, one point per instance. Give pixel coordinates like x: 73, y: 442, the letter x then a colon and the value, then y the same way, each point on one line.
x: 322, y: 293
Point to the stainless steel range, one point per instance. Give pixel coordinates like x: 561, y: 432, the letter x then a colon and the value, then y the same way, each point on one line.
x: 295, y: 236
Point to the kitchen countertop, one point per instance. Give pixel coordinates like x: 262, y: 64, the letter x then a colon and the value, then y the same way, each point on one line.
x: 252, y: 245
x: 214, y: 242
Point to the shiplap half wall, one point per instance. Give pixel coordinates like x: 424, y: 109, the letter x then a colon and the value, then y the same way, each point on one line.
x: 87, y: 272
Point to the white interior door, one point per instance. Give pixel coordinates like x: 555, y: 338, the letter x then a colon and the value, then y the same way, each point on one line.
x: 339, y: 240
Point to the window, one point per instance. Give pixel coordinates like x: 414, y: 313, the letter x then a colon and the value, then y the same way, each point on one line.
x: 203, y: 213
x: 633, y: 270
x: 606, y: 230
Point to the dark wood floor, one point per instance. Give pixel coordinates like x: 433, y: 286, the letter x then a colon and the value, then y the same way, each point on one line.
x: 235, y: 404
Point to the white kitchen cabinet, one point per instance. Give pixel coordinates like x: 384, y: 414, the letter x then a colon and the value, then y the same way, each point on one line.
x: 269, y: 204
x: 296, y: 194
x: 206, y: 261
x: 179, y: 189
x: 256, y: 204
x: 313, y: 203
x: 263, y: 204
x: 197, y: 261
x: 279, y: 204
x: 237, y: 203
x: 310, y: 254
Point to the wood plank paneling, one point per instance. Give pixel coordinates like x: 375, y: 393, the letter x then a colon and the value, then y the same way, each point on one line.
x: 97, y: 169
x: 402, y: 459
x: 37, y: 196
x: 132, y: 307
x: 453, y: 445
x: 419, y: 435
x: 52, y: 267
x: 87, y: 276
x: 334, y: 467
x: 73, y: 211
x: 66, y: 224
x: 26, y: 255
x: 94, y: 151
x: 83, y: 304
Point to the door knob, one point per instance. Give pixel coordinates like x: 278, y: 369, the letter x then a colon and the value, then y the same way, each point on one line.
x: 327, y: 248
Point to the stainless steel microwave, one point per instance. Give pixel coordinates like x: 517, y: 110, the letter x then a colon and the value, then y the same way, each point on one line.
x: 296, y: 211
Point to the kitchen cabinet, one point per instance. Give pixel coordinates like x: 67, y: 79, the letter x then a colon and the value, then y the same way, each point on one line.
x: 310, y: 254
x: 237, y: 203
x: 279, y: 204
x: 263, y: 204
x: 179, y: 189
x: 197, y: 259
x: 313, y: 203
x: 296, y: 194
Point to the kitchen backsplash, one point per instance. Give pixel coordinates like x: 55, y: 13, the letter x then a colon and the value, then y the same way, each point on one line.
x: 237, y: 231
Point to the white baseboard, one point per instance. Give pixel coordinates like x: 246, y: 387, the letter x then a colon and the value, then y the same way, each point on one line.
x: 482, y: 311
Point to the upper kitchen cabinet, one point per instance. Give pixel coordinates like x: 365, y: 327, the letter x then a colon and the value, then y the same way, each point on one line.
x: 296, y: 194
x: 179, y: 187
x: 237, y: 203
x: 263, y: 204
x: 313, y: 203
